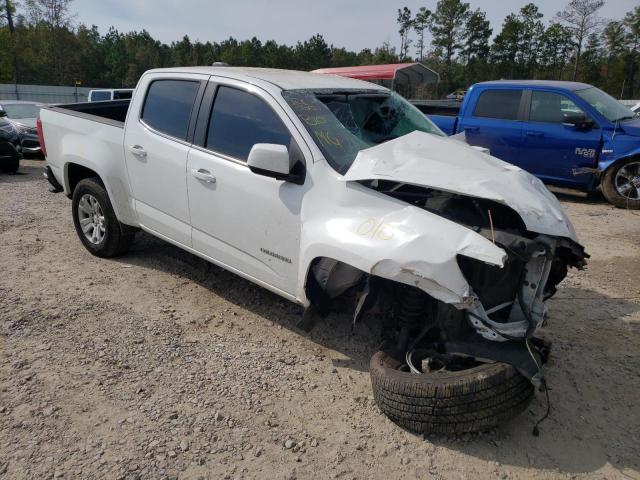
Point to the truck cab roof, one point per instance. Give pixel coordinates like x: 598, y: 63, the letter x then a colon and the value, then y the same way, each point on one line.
x: 284, y: 79
x: 537, y: 83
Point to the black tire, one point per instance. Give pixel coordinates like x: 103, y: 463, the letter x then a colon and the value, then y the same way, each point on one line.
x: 11, y: 166
x: 610, y: 191
x: 117, y: 236
x: 473, y: 400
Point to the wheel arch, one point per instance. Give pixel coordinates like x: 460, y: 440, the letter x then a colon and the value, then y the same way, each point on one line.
x: 338, y: 274
x: 607, y: 165
x: 74, y: 172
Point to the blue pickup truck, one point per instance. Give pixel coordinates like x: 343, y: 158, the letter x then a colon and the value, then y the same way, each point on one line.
x: 568, y: 134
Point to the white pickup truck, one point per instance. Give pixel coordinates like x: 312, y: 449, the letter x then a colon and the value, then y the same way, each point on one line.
x: 330, y: 192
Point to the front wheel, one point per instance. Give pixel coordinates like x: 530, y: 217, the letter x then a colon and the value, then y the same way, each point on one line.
x: 99, y: 229
x: 621, y: 184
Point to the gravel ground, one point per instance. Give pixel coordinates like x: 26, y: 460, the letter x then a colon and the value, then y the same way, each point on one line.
x: 159, y: 365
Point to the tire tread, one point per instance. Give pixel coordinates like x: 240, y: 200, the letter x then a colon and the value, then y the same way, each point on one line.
x: 449, y: 403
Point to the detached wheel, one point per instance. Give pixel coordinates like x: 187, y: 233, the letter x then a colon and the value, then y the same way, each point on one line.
x: 621, y: 184
x: 96, y: 223
x: 448, y: 402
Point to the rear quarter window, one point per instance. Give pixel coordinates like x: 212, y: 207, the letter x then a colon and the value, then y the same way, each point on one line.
x: 499, y: 104
x: 168, y: 106
x: 121, y: 95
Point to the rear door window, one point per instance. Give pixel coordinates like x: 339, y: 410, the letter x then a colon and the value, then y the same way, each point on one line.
x: 168, y: 106
x: 239, y: 120
x: 499, y: 104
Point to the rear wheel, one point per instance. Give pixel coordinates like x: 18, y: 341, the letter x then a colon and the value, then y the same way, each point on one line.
x: 621, y: 184
x: 478, y: 397
x: 96, y: 223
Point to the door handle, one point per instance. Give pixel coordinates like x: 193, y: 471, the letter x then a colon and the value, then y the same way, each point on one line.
x: 204, y: 175
x: 138, y: 151
x: 535, y: 134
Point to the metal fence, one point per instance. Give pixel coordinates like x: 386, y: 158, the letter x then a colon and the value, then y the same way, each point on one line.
x: 43, y: 93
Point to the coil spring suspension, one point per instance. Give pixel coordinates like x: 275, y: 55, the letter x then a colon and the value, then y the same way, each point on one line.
x: 413, y: 307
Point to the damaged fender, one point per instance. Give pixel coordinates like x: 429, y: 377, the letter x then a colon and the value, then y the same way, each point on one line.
x: 388, y: 238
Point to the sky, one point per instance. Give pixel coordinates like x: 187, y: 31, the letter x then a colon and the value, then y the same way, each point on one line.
x: 353, y: 24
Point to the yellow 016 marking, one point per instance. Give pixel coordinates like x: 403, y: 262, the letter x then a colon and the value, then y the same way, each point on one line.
x: 373, y: 228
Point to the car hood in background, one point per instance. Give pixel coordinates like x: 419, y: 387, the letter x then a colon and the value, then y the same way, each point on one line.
x: 631, y: 127
x: 27, y: 122
x: 443, y: 164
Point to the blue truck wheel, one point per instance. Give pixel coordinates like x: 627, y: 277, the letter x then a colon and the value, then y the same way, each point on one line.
x: 621, y: 184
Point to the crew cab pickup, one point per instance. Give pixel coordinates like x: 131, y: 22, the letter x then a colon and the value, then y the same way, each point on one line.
x: 329, y: 192
x: 566, y: 133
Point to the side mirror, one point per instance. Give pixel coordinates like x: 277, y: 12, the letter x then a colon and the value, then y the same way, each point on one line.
x: 576, y: 120
x: 270, y: 160
x: 3, y: 113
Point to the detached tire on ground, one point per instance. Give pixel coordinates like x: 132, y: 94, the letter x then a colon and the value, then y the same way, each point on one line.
x: 96, y: 223
x: 473, y: 400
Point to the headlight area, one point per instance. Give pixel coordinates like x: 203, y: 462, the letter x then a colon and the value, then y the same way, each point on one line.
x: 510, y: 300
x: 7, y: 131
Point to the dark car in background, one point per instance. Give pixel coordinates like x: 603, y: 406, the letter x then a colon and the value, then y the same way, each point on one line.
x: 10, y: 148
x: 23, y: 115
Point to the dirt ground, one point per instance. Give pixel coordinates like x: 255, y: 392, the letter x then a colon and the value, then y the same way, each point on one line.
x: 159, y: 365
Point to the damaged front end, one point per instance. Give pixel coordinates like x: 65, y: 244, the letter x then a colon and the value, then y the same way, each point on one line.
x: 496, y: 316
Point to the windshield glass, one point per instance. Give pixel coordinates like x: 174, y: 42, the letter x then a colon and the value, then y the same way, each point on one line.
x: 20, y: 110
x: 344, y: 122
x: 608, y: 106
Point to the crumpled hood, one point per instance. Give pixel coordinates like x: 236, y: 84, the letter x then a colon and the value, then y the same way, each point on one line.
x: 441, y: 163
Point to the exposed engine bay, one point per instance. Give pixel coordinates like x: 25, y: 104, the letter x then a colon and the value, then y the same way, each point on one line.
x: 496, y: 321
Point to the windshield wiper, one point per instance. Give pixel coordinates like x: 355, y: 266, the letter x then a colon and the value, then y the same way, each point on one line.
x: 625, y: 117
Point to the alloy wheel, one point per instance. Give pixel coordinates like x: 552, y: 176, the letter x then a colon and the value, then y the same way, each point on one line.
x: 91, y: 219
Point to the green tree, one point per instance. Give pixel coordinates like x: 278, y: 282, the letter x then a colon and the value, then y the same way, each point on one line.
x: 341, y: 57
x: 475, y: 50
x: 183, y: 52
x: 420, y: 24
x: 115, y: 52
x: 592, y: 59
x: 405, y: 23
x: 9, y: 59
x: 506, y: 46
x: 447, y: 27
x: 384, y: 54
x: 531, y: 32
x: 313, y: 53
x: 632, y: 22
x: 556, y: 45
x: 277, y: 56
x: 581, y: 19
